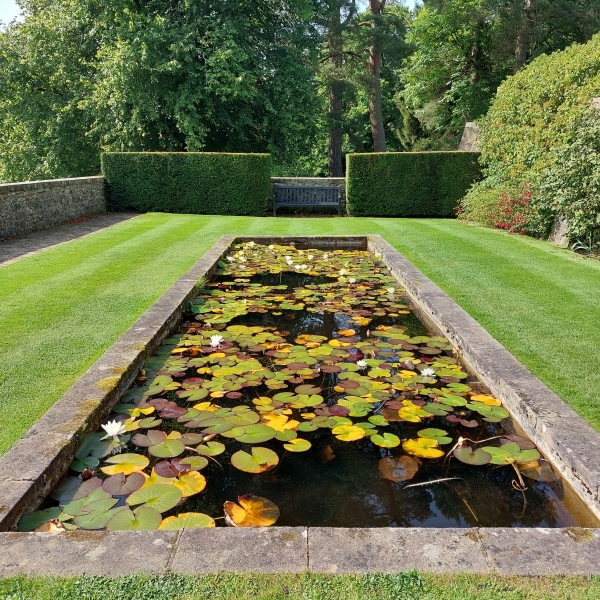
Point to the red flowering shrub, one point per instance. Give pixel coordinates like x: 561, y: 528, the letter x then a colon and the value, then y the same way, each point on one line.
x: 514, y: 212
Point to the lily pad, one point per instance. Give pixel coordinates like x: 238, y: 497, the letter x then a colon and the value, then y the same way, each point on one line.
x: 297, y: 445
x: 387, y: 440
x: 143, y: 518
x: 467, y: 455
x: 36, y: 519
x: 439, y: 435
x: 348, y: 433
x: 125, y: 463
x: 159, y: 496
x: 256, y: 434
x: 119, y: 485
x: 261, y: 460
x: 190, y: 483
x: 251, y: 511
x: 423, y: 447
x: 189, y: 520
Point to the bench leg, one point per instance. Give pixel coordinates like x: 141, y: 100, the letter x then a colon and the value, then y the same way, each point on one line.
x: 339, y: 210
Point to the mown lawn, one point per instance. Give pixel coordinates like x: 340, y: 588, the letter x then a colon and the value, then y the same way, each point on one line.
x: 59, y: 310
x: 405, y: 586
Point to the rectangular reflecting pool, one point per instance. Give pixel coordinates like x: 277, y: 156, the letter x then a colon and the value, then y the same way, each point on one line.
x: 302, y: 390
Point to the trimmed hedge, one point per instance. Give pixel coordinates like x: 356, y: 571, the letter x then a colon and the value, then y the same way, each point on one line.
x: 208, y: 183
x: 409, y: 184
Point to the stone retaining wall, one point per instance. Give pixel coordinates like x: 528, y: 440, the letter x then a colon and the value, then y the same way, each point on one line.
x: 316, y: 181
x: 34, y: 205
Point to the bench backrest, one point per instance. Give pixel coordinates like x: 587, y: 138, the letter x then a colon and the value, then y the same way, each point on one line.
x: 307, y: 194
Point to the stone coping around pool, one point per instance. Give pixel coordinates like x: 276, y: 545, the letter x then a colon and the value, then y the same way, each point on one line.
x: 505, y: 551
x: 30, y: 469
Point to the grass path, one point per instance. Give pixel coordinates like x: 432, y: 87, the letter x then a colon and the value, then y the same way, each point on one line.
x: 407, y: 586
x: 61, y: 309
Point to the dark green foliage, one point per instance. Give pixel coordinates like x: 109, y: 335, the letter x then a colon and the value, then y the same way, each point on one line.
x: 409, y: 184
x: 208, y: 183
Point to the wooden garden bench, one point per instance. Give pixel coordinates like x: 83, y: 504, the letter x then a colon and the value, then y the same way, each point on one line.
x: 306, y: 195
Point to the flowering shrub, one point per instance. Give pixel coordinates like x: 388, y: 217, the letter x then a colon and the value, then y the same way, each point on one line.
x: 513, y: 212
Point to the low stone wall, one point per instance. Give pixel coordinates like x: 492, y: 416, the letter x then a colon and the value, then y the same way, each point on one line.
x: 34, y: 205
x: 332, y: 181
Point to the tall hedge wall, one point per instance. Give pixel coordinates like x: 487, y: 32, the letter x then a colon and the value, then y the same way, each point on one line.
x: 188, y: 182
x: 409, y: 184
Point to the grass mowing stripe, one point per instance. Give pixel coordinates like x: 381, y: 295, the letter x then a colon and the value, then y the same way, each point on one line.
x: 519, y: 289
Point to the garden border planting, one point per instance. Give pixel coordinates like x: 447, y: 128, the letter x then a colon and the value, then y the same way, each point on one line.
x: 35, y: 464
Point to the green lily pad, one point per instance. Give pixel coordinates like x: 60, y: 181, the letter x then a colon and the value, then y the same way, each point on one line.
x: 387, y: 440
x: 98, y: 518
x: 378, y: 420
x: 210, y: 449
x: 439, y: 410
x: 36, y: 519
x: 439, y: 435
x: 256, y: 434
x: 194, y: 463
x: 161, y: 497
x: 478, y: 457
x: 297, y: 445
x: 510, y: 453
x: 261, y: 459
x: 141, y: 519
x: 168, y: 448
x: 288, y: 434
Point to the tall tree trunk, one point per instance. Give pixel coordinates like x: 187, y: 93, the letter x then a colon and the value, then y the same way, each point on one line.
x: 523, y: 38
x: 336, y: 89
x: 375, y: 110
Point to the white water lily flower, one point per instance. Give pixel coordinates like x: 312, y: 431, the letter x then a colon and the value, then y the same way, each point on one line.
x: 242, y: 259
x: 351, y: 280
x: 251, y: 244
x: 242, y: 268
x: 310, y: 256
x: 288, y: 258
x: 325, y: 256
x: 427, y: 373
x: 113, y: 429
x: 215, y: 340
x: 390, y: 290
x: 343, y: 271
x: 271, y: 247
x: 362, y: 364
x: 230, y: 259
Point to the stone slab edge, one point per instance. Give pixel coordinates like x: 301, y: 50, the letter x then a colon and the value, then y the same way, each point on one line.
x: 505, y: 551
x: 565, y: 439
x: 33, y: 466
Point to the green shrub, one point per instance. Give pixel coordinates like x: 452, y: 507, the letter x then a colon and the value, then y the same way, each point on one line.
x: 188, y: 182
x: 571, y: 187
x: 533, y: 127
x: 409, y: 184
x: 478, y: 206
